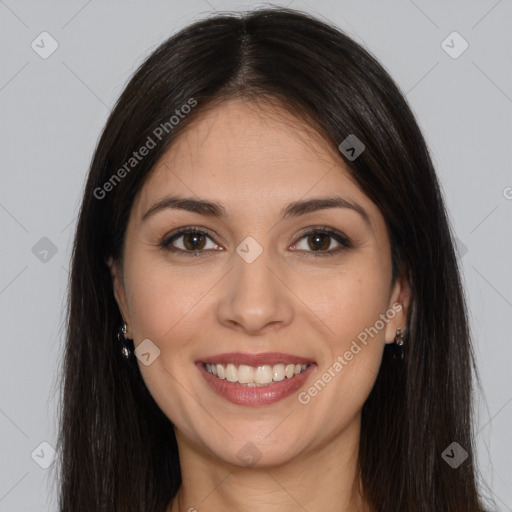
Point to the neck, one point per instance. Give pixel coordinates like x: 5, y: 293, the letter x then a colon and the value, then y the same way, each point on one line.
x: 324, y: 478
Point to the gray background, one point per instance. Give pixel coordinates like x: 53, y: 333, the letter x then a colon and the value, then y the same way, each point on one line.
x: 52, y: 111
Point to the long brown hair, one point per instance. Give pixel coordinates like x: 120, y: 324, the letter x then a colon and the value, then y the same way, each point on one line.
x: 117, y: 449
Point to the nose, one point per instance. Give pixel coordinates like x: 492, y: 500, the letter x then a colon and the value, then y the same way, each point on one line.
x: 255, y: 298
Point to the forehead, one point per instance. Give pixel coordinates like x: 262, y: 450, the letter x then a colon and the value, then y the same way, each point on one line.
x: 250, y: 157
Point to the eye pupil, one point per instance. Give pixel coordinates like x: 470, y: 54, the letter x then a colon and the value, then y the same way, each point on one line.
x: 195, y: 241
x: 320, y: 241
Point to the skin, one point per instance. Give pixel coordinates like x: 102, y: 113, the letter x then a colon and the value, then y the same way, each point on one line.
x: 255, y: 160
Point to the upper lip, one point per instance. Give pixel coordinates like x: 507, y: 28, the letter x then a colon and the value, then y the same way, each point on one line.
x: 270, y: 358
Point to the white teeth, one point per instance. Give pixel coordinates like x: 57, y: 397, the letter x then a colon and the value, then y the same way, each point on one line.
x: 278, y: 372
x: 231, y: 373
x: 245, y: 374
x: 250, y: 376
x: 263, y: 374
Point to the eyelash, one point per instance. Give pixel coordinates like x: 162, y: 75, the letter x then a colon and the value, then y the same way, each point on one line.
x: 344, y: 241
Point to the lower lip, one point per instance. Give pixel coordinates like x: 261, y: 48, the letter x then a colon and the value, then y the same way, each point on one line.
x: 263, y: 395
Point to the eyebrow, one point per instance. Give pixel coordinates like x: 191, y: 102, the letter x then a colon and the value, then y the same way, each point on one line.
x: 294, y: 209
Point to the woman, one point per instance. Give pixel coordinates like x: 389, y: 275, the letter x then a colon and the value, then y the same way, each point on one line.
x: 265, y: 308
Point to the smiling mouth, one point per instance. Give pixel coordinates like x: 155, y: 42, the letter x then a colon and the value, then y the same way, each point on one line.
x: 255, y: 376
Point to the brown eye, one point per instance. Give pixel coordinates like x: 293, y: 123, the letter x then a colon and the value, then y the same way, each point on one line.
x: 323, y: 242
x: 189, y: 242
x: 194, y: 241
x: 319, y: 241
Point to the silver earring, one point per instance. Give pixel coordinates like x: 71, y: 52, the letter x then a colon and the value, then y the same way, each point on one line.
x: 399, y: 338
x: 120, y: 336
x: 398, y: 352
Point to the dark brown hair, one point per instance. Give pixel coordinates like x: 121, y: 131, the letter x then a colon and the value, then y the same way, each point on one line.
x: 117, y: 449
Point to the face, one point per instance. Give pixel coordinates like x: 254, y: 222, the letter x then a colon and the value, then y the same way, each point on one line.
x: 256, y: 287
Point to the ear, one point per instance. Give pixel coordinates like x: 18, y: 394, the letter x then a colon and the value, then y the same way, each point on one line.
x: 119, y: 291
x: 398, y: 308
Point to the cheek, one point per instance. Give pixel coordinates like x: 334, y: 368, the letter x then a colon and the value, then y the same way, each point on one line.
x: 352, y: 350
x: 348, y: 302
x: 161, y: 297
x: 163, y: 303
